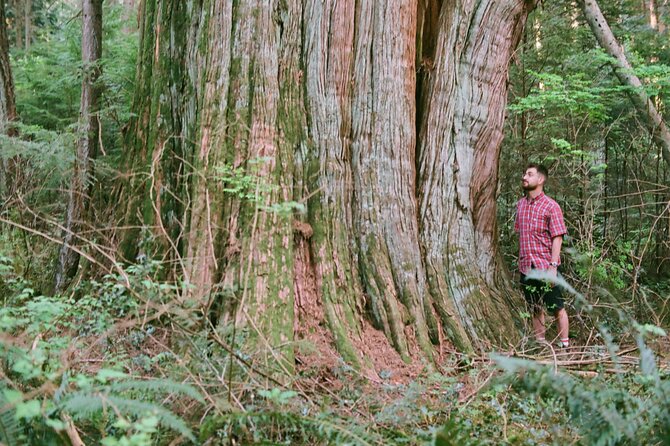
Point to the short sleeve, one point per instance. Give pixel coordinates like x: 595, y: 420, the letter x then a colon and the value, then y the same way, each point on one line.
x: 516, y: 219
x: 556, y: 223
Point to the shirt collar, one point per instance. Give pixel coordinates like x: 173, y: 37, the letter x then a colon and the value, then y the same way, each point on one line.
x: 533, y: 200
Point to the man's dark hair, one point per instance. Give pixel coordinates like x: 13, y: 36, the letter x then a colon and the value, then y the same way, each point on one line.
x: 540, y: 169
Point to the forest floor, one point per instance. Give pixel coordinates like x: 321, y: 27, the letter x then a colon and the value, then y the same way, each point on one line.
x: 67, y: 354
x: 388, y: 402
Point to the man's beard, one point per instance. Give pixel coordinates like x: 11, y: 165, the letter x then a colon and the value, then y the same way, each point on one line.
x: 528, y: 187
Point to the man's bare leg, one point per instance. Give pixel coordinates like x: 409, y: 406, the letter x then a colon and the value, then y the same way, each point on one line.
x: 538, y: 325
x: 563, y: 326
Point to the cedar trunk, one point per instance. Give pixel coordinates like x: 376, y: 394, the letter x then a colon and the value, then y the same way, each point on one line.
x: 369, y: 134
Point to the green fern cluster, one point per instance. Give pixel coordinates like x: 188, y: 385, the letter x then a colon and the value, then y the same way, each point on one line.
x: 103, y: 405
x: 11, y: 431
x: 606, y: 410
x: 106, y: 404
x: 125, y: 399
x: 287, y: 427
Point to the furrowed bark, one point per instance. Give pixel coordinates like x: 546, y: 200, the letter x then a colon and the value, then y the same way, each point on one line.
x: 258, y: 128
x: 624, y: 72
x: 383, y: 149
x: 266, y: 308
x: 206, y: 229
x: 158, y: 138
x: 87, y: 144
x: 317, y: 101
x: 328, y: 53
x: 459, y: 147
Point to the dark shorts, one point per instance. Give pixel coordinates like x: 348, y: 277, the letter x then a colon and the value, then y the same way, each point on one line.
x: 537, y: 292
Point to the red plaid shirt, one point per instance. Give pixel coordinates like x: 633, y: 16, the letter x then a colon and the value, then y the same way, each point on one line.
x: 538, y: 221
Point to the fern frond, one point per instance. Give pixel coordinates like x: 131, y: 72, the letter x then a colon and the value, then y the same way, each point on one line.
x: 83, y: 405
x: 157, y: 386
x: 321, y: 428
x: 11, y: 431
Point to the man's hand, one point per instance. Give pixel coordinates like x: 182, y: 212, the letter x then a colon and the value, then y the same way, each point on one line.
x: 553, y: 271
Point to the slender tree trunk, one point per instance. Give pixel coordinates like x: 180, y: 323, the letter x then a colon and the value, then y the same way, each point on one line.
x: 87, y: 144
x: 319, y: 103
x: 624, y: 72
x: 7, y: 102
x: 129, y: 11
x: 27, y: 23
x: 18, y: 7
x: 653, y: 15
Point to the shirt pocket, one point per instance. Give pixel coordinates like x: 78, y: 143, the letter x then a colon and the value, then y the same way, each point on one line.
x: 538, y: 223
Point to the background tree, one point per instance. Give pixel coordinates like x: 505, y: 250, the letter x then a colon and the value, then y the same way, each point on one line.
x: 7, y: 100
x: 569, y: 110
x: 87, y: 143
x: 623, y: 71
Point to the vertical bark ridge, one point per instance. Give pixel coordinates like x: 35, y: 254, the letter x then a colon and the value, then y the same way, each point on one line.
x: 258, y: 264
x: 154, y: 140
x: 238, y: 121
x: 205, y: 228
x: 383, y: 150
x: 328, y: 55
x: 458, y: 166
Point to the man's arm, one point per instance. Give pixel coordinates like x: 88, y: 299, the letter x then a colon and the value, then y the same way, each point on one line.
x: 516, y: 219
x: 556, y: 243
x: 556, y: 230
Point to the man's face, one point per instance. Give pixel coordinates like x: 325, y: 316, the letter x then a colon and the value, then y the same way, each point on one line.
x: 531, y: 179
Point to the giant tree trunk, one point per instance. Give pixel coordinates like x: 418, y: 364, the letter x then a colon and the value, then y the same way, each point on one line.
x: 87, y: 143
x: 320, y: 103
x: 461, y: 133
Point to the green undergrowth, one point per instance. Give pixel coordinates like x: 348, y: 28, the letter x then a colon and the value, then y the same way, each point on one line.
x: 120, y: 361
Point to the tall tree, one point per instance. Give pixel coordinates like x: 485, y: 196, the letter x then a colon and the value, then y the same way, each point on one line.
x: 7, y: 101
x: 653, y: 15
x: 624, y: 72
x: 321, y: 101
x: 87, y: 143
x: 129, y: 10
x: 18, y: 8
x: 27, y: 23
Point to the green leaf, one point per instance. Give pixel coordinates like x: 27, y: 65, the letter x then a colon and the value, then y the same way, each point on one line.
x: 105, y: 375
x: 653, y: 329
x: 12, y: 396
x: 28, y: 409
x: 57, y: 425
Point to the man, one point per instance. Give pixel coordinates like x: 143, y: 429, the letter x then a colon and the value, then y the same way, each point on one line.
x: 539, y: 222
